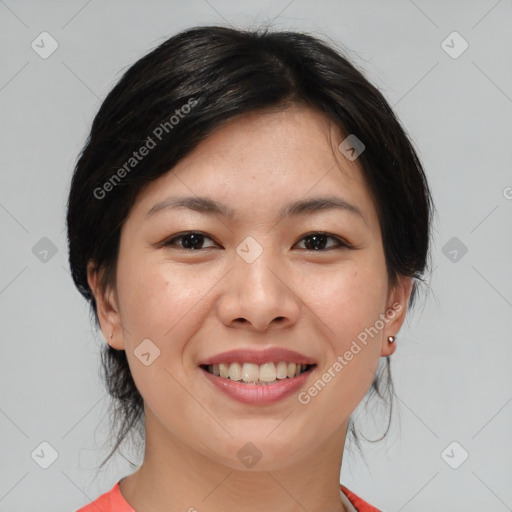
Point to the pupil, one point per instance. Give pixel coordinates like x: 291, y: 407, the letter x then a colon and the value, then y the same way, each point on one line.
x: 195, y: 241
x: 316, y: 237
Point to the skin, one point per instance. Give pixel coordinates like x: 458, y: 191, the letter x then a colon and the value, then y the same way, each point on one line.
x: 195, y: 303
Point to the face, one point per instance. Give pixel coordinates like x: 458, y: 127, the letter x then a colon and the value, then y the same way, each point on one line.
x: 312, y: 281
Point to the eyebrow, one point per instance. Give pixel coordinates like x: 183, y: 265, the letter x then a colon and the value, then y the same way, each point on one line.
x: 208, y: 206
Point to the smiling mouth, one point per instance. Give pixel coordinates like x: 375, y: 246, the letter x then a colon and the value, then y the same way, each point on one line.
x: 266, y: 374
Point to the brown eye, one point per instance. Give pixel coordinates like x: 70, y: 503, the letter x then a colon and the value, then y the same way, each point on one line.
x: 317, y: 241
x: 191, y: 240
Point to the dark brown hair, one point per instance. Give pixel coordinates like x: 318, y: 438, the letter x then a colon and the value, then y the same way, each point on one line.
x: 222, y: 73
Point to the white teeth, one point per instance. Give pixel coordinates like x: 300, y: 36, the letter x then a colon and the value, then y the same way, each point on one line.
x: 250, y: 372
x: 223, y: 370
x: 268, y: 372
x: 282, y: 370
x: 261, y: 374
x: 235, y: 371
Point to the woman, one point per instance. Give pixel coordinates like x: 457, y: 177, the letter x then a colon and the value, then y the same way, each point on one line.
x: 249, y: 223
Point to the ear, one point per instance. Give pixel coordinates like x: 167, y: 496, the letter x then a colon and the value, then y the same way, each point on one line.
x: 107, y: 308
x: 396, y: 309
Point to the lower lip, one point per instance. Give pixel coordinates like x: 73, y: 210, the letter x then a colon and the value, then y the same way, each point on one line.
x: 258, y: 394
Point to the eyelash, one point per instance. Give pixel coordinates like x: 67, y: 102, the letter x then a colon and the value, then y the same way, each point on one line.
x: 341, y: 243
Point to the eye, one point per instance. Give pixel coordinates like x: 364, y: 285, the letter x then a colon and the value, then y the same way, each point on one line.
x: 192, y: 240
x: 316, y: 240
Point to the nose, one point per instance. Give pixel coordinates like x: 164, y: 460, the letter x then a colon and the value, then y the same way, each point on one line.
x: 259, y: 295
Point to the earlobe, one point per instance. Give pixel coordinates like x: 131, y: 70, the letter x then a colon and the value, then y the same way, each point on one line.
x: 388, y: 347
x: 395, y: 313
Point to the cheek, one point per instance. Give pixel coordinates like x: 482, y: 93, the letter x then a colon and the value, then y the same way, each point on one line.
x: 348, y: 300
x: 154, y: 298
x: 348, y: 303
x: 158, y: 303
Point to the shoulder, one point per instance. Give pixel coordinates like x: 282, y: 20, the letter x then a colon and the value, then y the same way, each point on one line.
x: 111, y: 501
x: 359, y: 504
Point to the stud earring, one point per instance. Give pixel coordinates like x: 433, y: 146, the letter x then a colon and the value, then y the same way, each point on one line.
x: 391, y: 339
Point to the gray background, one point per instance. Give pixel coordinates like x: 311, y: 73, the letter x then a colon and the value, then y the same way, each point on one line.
x: 452, y: 367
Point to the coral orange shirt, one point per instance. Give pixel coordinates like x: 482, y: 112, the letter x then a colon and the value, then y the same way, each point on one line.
x: 113, y: 501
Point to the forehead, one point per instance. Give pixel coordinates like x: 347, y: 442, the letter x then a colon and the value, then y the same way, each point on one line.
x: 260, y: 160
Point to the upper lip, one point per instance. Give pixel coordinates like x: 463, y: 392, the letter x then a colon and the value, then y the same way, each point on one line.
x: 247, y: 355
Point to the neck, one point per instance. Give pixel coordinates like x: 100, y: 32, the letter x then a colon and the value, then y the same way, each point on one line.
x: 174, y: 477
